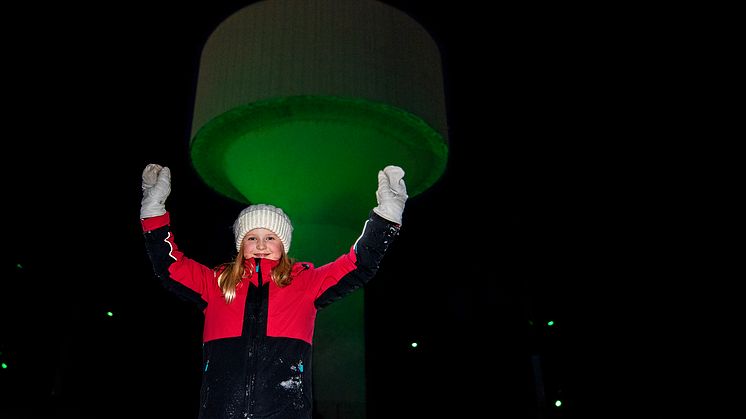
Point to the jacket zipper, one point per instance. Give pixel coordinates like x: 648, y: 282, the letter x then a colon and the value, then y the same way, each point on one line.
x: 253, y: 336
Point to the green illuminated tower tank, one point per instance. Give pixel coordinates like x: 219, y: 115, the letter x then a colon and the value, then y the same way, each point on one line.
x: 298, y: 104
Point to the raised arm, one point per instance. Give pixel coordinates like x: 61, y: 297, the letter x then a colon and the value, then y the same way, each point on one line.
x: 354, y: 269
x: 180, y: 275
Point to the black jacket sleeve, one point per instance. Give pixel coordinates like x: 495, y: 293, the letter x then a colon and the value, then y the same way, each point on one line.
x: 370, y: 247
x: 160, y: 249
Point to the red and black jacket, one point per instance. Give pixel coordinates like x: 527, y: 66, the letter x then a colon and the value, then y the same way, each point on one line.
x: 257, y: 349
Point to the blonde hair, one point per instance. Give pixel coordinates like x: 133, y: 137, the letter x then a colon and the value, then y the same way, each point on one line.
x: 231, y: 273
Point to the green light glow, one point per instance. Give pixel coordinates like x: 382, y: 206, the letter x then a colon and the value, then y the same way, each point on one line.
x: 307, y: 154
x: 109, y: 313
x: 4, y: 365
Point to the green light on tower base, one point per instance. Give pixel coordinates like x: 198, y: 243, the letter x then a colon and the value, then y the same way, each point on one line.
x: 310, y: 154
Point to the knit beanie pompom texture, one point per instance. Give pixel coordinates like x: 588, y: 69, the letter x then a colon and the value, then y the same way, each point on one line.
x: 263, y: 216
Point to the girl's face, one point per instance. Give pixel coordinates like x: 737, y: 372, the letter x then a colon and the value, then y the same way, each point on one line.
x: 262, y: 243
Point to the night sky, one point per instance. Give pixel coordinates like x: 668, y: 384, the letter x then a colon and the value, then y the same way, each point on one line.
x: 513, y: 234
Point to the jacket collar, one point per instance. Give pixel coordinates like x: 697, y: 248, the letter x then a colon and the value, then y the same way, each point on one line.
x: 265, y: 265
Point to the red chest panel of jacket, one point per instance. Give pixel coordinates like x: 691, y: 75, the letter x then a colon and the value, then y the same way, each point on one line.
x: 291, y: 310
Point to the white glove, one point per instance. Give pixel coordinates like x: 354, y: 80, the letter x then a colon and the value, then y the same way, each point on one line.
x: 156, y: 185
x: 391, y: 194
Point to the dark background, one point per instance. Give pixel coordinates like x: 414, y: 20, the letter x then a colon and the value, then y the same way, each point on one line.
x: 523, y: 227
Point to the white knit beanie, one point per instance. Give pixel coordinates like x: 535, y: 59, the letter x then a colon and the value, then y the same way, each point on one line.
x: 263, y: 216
